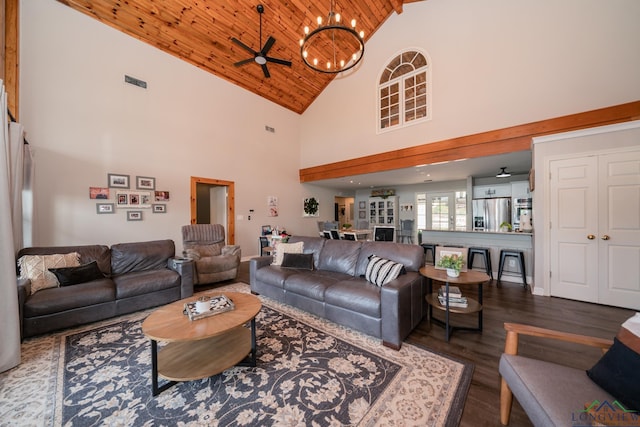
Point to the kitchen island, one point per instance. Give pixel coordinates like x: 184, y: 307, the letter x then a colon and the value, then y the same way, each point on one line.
x: 495, y: 241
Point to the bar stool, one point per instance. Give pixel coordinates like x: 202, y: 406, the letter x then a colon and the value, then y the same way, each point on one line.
x: 504, y: 253
x: 429, y: 247
x: 484, y: 252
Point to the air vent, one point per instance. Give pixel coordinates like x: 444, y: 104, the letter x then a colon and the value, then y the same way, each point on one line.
x: 135, y: 82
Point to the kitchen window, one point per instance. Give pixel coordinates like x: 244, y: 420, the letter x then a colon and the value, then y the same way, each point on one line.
x: 404, y: 91
x: 442, y: 211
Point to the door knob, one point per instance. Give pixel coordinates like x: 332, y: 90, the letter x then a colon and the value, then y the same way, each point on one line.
x: 605, y: 237
x: 590, y: 236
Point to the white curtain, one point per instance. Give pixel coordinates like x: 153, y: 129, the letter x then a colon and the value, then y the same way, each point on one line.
x: 12, y: 173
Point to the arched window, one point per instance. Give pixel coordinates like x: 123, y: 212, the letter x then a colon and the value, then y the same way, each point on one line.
x: 404, y: 91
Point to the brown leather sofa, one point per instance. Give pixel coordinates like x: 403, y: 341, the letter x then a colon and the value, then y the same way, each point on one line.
x: 337, y: 290
x: 136, y: 276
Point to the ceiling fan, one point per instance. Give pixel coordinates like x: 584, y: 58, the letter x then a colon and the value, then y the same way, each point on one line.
x: 260, y: 57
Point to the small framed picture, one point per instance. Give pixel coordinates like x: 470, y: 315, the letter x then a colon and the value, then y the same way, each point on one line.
x: 118, y: 181
x: 105, y: 208
x: 134, y: 216
x: 159, y: 208
x: 362, y: 214
x: 98, y: 193
x: 145, y: 183
x: 162, y: 196
x: 362, y: 204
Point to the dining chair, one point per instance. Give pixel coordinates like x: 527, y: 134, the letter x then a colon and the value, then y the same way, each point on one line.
x: 406, y: 231
x: 264, y: 246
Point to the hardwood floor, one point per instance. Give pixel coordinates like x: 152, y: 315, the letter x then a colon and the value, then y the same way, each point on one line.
x: 511, y: 303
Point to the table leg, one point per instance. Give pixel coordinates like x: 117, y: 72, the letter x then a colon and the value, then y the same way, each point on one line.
x: 251, y: 360
x: 446, y: 312
x: 429, y: 291
x: 154, y: 371
x: 480, y: 301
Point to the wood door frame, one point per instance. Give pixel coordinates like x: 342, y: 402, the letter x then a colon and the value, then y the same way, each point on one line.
x: 231, y: 220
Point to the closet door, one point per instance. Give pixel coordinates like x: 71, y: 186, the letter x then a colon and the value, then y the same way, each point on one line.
x: 619, y: 229
x: 573, y: 228
x: 595, y: 229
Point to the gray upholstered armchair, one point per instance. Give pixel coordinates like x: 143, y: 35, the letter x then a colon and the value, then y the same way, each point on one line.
x: 214, y: 261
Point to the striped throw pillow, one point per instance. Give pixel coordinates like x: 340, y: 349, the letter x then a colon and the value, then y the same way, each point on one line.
x: 380, y: 271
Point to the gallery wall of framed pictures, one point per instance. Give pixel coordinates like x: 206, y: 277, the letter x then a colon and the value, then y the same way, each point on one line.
x: 120, y: 194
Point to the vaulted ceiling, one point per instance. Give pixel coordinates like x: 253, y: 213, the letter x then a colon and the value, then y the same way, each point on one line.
x: 201, y: 31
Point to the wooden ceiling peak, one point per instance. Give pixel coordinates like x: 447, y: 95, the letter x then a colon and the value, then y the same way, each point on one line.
x: 200, y: 32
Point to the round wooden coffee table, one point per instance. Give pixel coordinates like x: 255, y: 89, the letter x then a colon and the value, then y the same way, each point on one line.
x: 466, y: 278
x: 201, y: 348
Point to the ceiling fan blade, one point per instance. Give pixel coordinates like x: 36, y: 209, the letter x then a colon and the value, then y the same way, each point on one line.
x: 242, y: 45
x: 265, y: 70
x: 267, y: 46
x: 278, y: 61
x: 244, y: 61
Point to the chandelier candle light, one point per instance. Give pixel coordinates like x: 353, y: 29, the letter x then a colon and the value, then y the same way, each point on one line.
x: 332, y: 47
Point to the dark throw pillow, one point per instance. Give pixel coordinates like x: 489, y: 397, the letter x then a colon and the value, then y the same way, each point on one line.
x: 618, y: 371
x: 380, y: 271
x: 68, y: 276
x: 301, y: 261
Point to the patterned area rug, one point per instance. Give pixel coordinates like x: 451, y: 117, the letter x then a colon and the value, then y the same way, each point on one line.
x: 310, y: 373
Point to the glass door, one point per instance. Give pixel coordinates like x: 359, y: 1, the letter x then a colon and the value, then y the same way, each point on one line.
x: 442, y: 211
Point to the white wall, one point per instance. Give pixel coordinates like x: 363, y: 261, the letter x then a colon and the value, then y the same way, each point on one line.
x: 84, y: 122
x: 495, y: 63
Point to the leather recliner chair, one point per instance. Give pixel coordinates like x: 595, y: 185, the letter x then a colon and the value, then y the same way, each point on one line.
x: 214, y: 260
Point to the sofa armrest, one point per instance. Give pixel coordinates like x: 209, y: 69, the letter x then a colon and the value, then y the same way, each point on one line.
x: 185, y: 268
x: 24, y: 290
x: 401, y: 302
x: 232, y: 250
x: 256, y: 264
x: 516, y: 329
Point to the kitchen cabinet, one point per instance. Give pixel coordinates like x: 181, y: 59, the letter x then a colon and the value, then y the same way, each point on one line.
x: 520, y: 190
x: 383, y: 211
x: 491, y: 191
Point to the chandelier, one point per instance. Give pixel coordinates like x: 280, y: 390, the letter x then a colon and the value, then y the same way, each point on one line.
x: 332, y: 47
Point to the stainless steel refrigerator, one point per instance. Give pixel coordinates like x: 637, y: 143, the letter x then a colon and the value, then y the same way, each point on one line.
x: 488, y: 214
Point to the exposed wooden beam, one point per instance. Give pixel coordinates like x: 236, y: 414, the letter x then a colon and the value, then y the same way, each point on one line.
x: 11, y: 62
x: 501, y: 141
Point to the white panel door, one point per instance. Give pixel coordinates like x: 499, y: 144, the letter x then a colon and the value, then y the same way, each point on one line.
x: 619, y: 229
x: 574, y: 226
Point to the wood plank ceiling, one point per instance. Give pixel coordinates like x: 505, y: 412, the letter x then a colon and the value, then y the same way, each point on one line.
x: 200, y: 32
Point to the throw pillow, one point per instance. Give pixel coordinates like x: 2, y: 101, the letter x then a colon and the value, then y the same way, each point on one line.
x: 286, y: 248
x: 301, y: 261
x: 36, y: 268
x: 380, y: 271
x: 618, y: 371
x: 68, y: 276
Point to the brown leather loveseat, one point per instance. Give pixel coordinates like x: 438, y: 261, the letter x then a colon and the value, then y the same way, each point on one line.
x: 131, y: 277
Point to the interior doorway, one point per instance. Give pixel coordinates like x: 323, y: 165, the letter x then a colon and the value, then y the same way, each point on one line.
x: 344, y: 210
x: 213, y: 202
